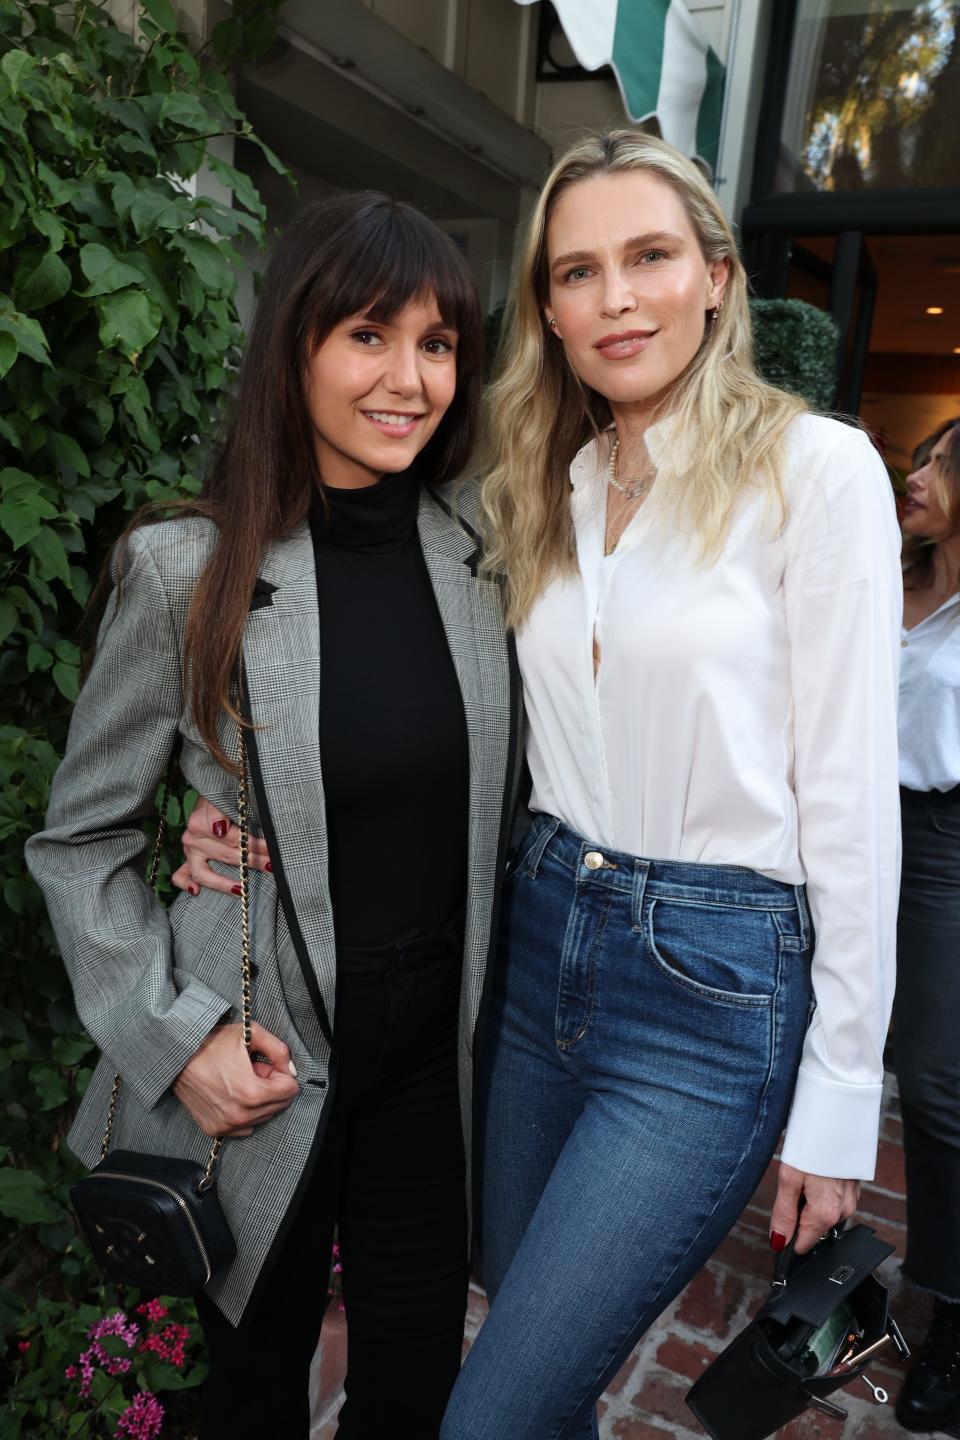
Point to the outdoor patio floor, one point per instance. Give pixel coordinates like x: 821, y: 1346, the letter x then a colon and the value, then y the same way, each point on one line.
x: 646, y: 1400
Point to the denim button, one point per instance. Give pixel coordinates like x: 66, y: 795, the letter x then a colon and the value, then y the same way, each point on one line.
x: 593, y: 860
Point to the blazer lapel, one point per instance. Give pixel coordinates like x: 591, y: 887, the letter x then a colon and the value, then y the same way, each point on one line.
x: 282, y: 672
x: 470, y: 609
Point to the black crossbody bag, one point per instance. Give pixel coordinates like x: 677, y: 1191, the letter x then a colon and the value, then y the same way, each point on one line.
x: 828, y: 1315
x: 156, y: 1221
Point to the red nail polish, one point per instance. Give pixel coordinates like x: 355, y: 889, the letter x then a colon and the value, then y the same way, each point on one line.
x: 236, y: 890
x: 219, y: 828
x: 269, y: 868
x: 778, y: 1242
x: 193, y: 889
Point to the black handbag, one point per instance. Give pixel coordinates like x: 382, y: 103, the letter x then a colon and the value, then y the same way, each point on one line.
x: 155, y: 1221
x: 826, y: 1318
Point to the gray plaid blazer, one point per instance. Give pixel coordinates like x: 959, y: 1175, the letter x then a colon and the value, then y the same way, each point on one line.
x: 149, y: 982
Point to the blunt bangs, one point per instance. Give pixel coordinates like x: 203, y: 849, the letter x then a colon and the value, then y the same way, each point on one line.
x: 385, y: 256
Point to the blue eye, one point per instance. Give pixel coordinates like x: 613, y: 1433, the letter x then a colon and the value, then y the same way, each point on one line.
x: 578, y: 272
x: 655, y: 254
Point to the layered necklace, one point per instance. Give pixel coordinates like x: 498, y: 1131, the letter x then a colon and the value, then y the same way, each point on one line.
x: 633, y: 489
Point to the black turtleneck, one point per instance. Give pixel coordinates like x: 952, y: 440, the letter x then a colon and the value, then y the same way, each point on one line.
x: 393, y: 738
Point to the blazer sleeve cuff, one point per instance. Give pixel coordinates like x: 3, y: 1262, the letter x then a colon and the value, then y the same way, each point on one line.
x: 833, y: 1128
x: 149, y: 1054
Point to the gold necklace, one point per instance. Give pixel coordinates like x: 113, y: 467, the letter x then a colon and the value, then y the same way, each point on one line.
x: 633, y: 489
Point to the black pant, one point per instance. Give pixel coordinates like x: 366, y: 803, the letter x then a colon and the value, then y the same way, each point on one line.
x: 926, y: 1037
x: 390, y: 1175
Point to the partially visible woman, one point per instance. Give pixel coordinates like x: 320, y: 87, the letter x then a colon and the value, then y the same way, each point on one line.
x: 926, y: 1036
x: 327, y: 596
x: 705, y: 586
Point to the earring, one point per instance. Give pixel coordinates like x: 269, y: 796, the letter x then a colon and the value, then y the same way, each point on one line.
x: 553, y: 324
x: 715, y: 313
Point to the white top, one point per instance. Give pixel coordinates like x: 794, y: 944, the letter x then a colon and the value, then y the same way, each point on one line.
x: 930, y: 701
x: 745, y: 713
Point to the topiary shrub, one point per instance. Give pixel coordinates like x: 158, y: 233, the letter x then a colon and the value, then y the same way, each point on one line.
x: 795, y: 346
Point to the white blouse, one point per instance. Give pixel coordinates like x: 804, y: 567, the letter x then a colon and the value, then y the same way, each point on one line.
x: 930, y: 701
x: 744, y: 712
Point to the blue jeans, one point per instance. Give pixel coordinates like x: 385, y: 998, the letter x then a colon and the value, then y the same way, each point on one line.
x: 643, y: 1042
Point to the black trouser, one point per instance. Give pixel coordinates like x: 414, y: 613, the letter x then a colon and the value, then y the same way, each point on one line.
x: 926, y: 1036
x: 390, y: 1174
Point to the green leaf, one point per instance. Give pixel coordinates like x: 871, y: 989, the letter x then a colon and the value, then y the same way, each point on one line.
x: 67, y: 680
x: 68, y: 453
x: 153, y: 210
x: 28, y: 334
x: 18, y: 892
x: 183, y: 111
x: 162, y: 13
x: 50, y: 1086
x: 208, y: 260
x: 40, y: 281
x: 61, y: 191
x: 129, y: 320
x: 23, y: 1198
x: 48, y: 224
x: 38, y: 658
x: 48, y: 549
x: 16, y: 65
x: 8, y: 619
x: 9, y: 350
x: 71, y: 1049
x: 22, y: 515
x: 105, y: 271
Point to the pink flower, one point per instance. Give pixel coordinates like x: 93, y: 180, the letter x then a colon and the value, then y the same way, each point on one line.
x: 153, y: 1310
x: 169, y: 1344
x: 115, y: 1324
x: 23, y: 1346
x: 70, y: 1373
x: 142, y: 1419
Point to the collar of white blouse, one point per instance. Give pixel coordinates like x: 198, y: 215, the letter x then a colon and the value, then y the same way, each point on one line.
x: 588, y: 479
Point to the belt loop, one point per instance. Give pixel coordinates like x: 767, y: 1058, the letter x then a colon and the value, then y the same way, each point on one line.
x: 804, y: 915
x: 641, y: 874
x: 545, y: 827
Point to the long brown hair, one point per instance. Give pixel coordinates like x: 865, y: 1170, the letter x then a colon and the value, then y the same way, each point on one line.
x: 353, y: 253
x: 918, y: 552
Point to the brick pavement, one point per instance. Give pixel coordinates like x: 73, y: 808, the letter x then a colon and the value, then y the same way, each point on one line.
x: 645, y: 1401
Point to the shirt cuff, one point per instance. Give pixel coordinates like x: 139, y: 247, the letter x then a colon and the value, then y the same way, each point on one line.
x: 833, y: 1128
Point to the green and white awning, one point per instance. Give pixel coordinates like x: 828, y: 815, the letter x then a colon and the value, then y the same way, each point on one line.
x: 663, y: 65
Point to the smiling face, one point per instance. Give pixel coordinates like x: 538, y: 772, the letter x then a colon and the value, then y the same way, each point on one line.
x: 629, y: 288
x: 376, y: 392
x: 924, y: 516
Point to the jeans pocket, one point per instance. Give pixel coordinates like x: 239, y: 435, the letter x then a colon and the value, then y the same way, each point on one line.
x: 724, y: 953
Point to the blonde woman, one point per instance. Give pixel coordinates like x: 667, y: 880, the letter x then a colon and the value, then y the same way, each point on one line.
x: 927, y: 1012
x: 704, y: 584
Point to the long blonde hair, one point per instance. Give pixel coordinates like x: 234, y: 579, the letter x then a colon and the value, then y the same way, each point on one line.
x: 539, y: 414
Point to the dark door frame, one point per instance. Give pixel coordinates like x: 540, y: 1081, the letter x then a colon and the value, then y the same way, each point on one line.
x: 770, y: 221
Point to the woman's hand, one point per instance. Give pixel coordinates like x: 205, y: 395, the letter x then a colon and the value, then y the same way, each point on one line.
x: 827, y: 1203
x: 226, y: 1092
x: 210, y: 836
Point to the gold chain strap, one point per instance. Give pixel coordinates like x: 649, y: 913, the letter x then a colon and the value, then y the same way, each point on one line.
x: 246, y: 977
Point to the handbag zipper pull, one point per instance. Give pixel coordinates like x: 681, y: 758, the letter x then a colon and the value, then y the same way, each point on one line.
x: 879, y: 1394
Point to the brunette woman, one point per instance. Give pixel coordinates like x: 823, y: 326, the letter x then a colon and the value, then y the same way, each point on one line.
x: 327, y: 594
x: 704, y: 584
x: 927, y: 1011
